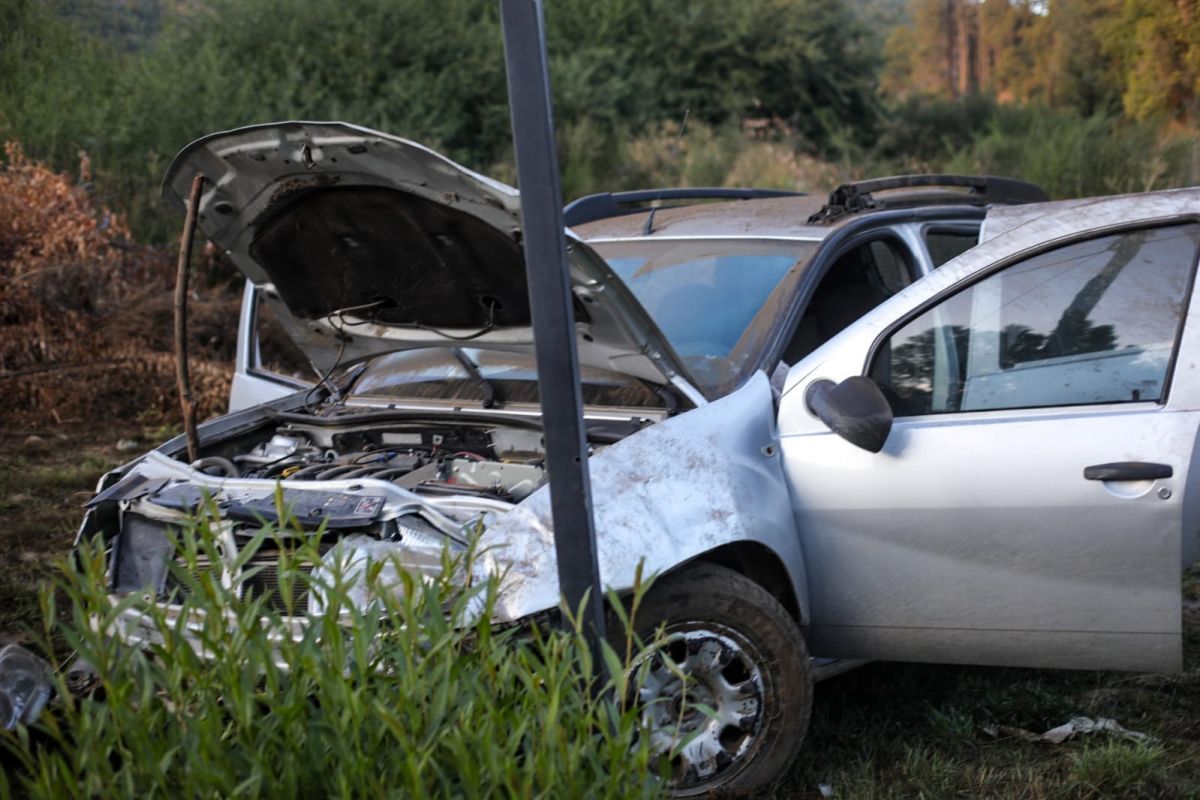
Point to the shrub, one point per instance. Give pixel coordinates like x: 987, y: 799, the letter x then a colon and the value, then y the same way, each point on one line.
x: 85, y: 314
x: 413, y: 695
x: 1073, y: 155
x: 433, y: 72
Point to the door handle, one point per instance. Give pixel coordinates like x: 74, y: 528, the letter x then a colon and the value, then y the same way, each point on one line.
x: 1127, y: 471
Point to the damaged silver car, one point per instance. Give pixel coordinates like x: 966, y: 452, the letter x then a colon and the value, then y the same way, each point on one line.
x: 979, y: 454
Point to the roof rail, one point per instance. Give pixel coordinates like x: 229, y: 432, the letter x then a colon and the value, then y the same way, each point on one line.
x: 616, y: 204
x: 850, y: 198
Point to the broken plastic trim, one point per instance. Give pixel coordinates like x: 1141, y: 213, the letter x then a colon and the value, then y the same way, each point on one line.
x: 25, y: 686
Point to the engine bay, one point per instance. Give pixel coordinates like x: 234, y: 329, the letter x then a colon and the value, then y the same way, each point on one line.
x: 498, y: 462
x: 377, y: 485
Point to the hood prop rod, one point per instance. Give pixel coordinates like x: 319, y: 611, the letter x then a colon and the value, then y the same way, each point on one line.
x: 183, y: 383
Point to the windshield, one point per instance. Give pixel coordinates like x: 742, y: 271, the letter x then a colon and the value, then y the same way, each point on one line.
x: 704, y: 293
x: 439, y: 373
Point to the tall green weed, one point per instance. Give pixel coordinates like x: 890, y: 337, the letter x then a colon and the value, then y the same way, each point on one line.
x: 413, y: 694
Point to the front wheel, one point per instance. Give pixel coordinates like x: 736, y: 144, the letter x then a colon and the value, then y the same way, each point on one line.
x: 744, y: 659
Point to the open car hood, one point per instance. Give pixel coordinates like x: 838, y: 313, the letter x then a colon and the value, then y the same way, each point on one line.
x: 365, y: 243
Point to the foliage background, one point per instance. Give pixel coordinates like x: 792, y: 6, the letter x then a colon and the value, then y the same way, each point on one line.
x: 783, y: 93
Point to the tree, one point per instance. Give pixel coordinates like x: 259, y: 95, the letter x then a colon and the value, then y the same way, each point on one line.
x: 1156, y: 45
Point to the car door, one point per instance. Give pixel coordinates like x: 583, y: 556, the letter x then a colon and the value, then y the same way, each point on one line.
x: 1028, y: 506
x: 268, y: 365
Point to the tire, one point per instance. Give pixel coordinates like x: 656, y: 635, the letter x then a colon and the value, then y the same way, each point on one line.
x: 745, y: 658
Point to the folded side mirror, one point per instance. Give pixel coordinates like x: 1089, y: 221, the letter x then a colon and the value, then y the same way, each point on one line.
x: 854, y: 409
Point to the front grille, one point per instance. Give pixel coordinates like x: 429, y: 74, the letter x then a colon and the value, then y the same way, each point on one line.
x: 175, y: 589
x: 260, y: 579
x: 265, y: 583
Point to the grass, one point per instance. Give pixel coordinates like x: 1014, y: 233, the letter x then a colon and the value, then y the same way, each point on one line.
x: 885, y: 731
x: 914, y: 730
x: 1118, y: 769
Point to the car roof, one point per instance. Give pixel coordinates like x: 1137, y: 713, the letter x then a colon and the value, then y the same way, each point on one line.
x: 774, y: 214
x: 767, y: 217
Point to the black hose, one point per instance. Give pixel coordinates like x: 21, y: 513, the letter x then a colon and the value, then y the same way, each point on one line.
x: 393, y: 472
x: 365, y: 472
x: 335, y: 471
x: 227, y: 466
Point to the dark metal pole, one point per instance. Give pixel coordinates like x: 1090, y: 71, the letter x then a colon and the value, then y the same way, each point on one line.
x: 550, y: 298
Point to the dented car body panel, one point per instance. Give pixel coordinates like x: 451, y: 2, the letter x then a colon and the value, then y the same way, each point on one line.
x: 685, y: 487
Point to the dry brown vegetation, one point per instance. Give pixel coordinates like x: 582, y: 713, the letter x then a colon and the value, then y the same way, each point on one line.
x: 85, y: 313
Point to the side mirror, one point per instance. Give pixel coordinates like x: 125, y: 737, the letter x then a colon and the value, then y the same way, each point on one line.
x: 854, y: 409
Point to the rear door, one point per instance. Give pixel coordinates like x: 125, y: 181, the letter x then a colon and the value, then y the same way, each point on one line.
x: 1029, y: 505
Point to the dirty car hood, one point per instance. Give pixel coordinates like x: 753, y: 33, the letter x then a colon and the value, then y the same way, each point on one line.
x: 364, y: 243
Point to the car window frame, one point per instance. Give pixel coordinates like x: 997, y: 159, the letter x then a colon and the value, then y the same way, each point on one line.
x: 1032, y: 252
x: 801, y: 299
x: 829, y: 249
x: 253, y: 353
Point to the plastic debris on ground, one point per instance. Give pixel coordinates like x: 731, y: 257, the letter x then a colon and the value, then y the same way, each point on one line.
x: 25, y: 686
x: 1076, y: 726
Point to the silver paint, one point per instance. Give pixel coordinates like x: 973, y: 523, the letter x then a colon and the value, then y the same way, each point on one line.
x: 662, y: 497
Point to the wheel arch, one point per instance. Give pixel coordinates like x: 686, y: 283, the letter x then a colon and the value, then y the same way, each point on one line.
x: 764, y: 566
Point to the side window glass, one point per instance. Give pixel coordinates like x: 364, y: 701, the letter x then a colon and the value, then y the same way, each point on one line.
x: 944, y: 244
x: 857, y: 282
x: 277, y: 353
x: 1092, y: 322
x: 890, y: 268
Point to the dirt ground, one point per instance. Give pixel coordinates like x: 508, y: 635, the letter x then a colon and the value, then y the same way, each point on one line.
x: 887, y: 730
x: 46, y: 474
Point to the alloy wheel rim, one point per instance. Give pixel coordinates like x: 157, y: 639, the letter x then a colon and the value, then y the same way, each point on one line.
x: 706, y: 746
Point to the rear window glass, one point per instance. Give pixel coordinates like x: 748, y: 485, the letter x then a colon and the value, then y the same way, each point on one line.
x: 277, y: 353
x: 945, y: 244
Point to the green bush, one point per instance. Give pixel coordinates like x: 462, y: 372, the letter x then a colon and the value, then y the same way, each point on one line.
x: 390, y: 698
x: 1073, y: 155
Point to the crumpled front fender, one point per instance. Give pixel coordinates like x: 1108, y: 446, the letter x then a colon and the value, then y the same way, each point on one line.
x: 669, y: 493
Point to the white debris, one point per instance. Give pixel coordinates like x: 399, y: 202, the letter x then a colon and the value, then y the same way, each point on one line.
x: 1077, y: 725
x: 1089, y: 725
x: 24, y: 686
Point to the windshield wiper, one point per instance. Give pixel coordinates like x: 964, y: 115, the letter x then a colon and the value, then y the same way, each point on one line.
x: 491, y: 395
x: 664, y: 394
